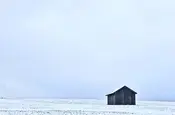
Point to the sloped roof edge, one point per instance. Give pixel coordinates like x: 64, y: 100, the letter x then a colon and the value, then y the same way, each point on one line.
x: 121, y: 89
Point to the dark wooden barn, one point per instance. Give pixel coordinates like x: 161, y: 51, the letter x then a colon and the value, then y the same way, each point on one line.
x: 123, y: 96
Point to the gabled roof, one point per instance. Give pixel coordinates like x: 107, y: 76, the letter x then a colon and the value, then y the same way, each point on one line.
x: 124, y: 87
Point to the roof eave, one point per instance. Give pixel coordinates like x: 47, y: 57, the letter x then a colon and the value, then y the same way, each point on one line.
x: 110, y: 94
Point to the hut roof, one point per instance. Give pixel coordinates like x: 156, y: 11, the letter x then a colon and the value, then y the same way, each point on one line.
x: 122, y: 89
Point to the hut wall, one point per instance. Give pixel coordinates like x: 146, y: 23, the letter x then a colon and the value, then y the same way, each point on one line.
x: 119, y: 98
x: 133, y: 99
x: 129, y: 97
x: 111, y: 99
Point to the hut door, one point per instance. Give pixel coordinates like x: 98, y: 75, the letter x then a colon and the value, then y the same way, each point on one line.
x: 129, y: 100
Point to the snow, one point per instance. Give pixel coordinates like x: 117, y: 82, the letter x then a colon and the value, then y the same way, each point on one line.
x: 82, y: 107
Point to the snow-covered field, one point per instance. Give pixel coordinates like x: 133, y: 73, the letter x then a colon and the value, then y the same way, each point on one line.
x: 81, y: 107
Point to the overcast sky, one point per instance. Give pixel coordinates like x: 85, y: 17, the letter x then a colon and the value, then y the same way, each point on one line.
x: 87, y: 48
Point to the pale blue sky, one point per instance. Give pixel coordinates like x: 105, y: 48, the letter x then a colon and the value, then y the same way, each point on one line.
x: 87, y: 48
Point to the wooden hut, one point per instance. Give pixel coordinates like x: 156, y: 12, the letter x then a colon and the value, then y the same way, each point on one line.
x: 123, y: 96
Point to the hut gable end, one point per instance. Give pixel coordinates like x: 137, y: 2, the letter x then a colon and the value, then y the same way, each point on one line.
x: 123, y: 96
